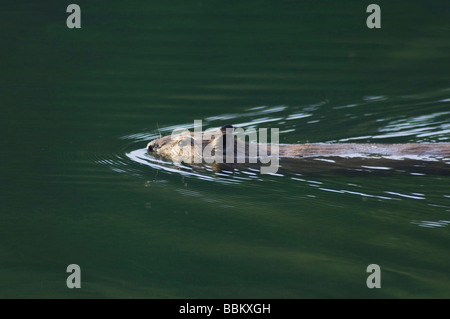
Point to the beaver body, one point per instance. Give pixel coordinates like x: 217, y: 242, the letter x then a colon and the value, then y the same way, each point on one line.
x: 170, y: 146
x: 412, y: 150
x: 301, y: 157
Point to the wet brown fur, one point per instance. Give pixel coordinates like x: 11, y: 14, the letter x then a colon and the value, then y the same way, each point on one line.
x: 168, y: 146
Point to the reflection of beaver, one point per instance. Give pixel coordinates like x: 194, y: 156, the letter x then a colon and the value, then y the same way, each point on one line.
x: 176, y: 146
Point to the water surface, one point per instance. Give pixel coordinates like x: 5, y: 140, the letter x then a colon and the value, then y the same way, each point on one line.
x: 79, y: 106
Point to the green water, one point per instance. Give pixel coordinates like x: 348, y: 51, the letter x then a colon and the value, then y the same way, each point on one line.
x: 79, y: 106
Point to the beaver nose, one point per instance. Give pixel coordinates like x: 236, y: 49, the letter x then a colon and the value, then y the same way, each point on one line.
x: 151, y: 147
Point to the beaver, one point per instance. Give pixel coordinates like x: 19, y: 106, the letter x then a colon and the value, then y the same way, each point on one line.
x: 224, y: 147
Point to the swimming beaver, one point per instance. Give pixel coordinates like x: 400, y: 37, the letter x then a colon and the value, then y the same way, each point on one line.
x: 212, y: 147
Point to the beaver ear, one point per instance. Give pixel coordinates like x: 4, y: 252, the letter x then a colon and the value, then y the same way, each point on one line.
x: 223, y: 141
x: 223, y: 129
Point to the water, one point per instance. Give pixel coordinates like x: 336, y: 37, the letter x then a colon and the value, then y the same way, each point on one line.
x: 79, y: 106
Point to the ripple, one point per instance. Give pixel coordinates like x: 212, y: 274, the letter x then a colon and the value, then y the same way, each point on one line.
x: 412, y: 196
x: 140, y: 156
x: 365, y: 180
x: 375, y: 98
x: 432, y: 224
x: 433, y: 124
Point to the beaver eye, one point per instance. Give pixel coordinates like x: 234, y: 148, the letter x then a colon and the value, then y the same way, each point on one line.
x: 186, y: 141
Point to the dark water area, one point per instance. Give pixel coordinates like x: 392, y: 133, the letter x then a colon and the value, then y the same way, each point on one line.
x: 78, y: 107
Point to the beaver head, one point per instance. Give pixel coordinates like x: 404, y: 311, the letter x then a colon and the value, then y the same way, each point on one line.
x: 188, y: 146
